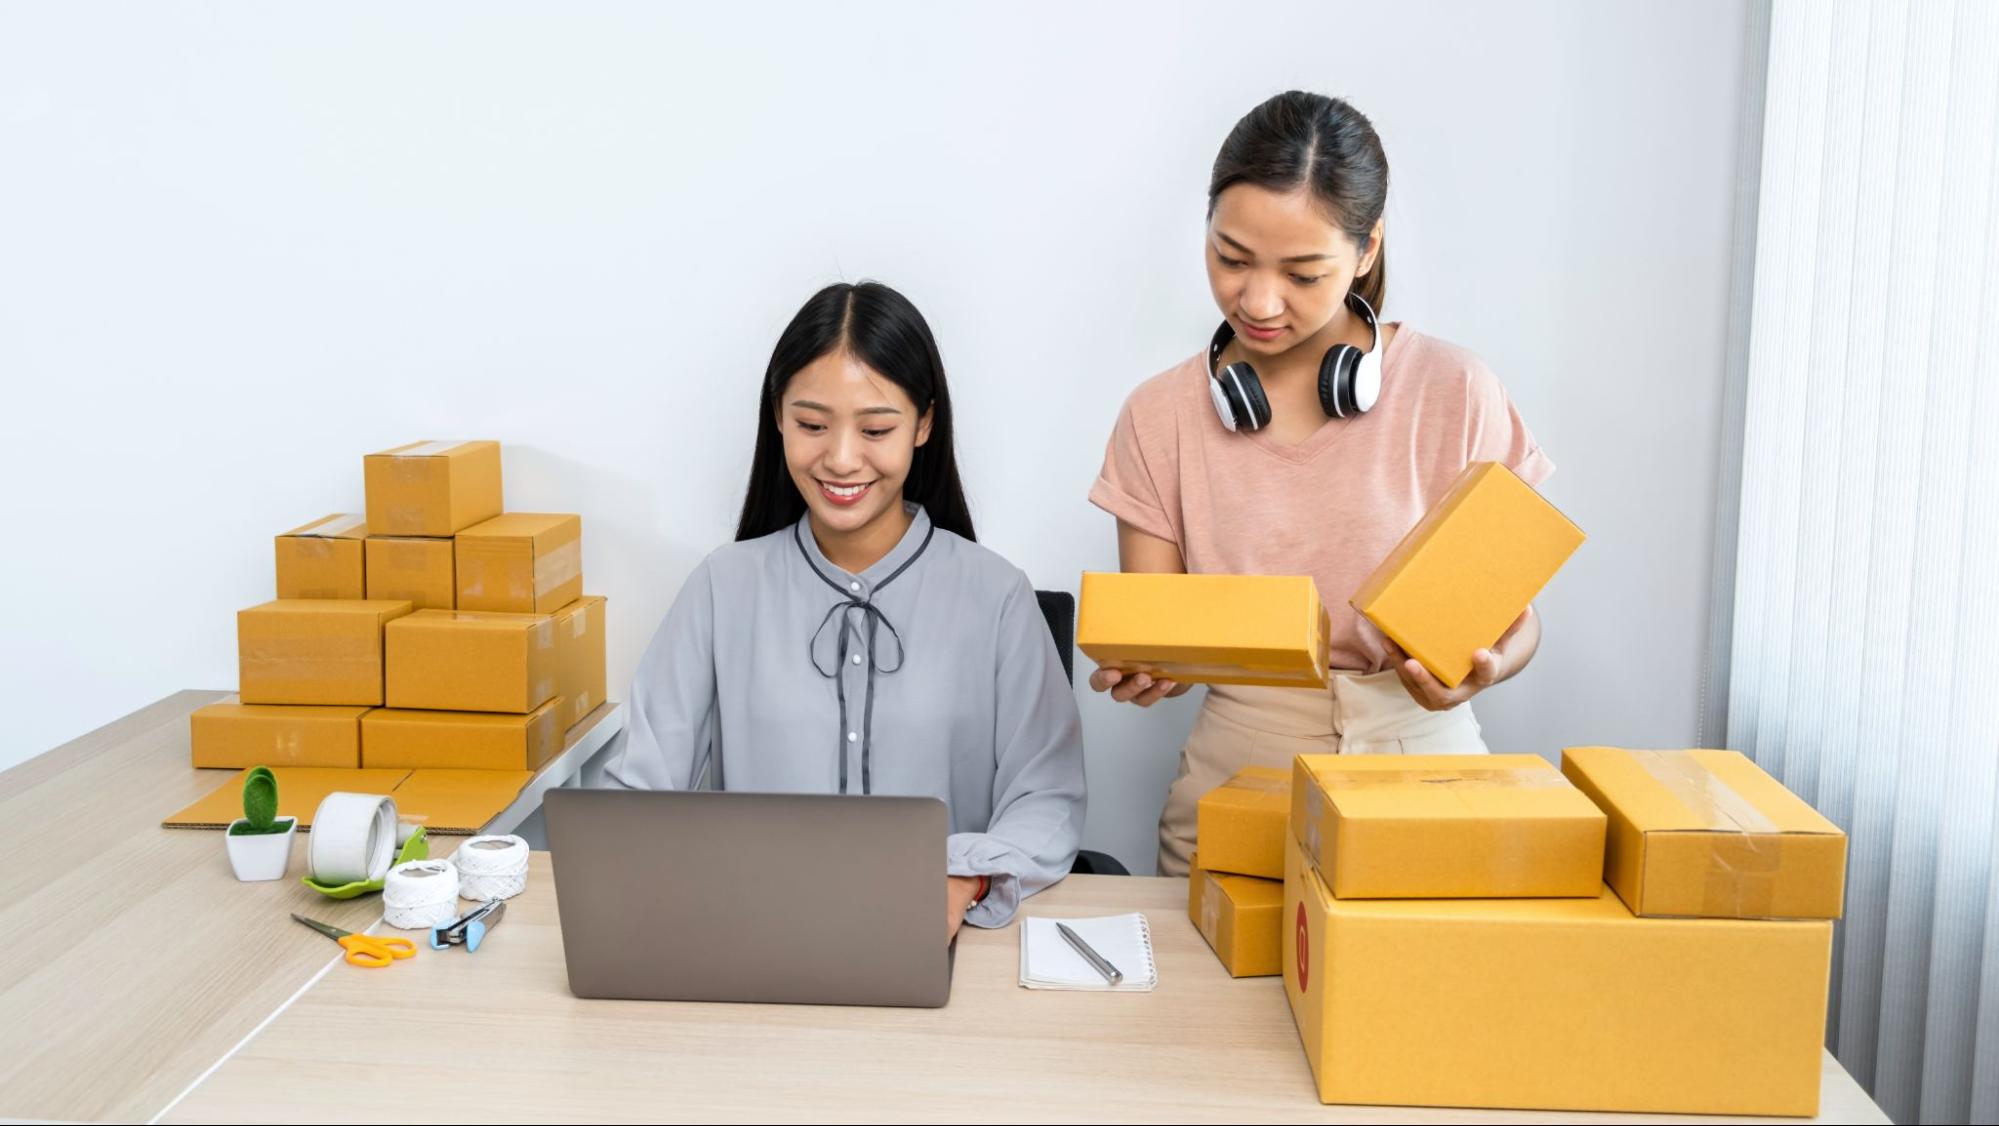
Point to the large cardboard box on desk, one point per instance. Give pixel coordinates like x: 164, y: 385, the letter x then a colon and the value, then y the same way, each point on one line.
x: 1241, y: 917
x: 469, y: 661
x: 521, y: 563
x: 1205, y: 629
x: 1468, y: 569
x: 1707, y: 833
x: 1552, y: 1004
x: 1239, y: 825
x: 313, y: 651
x: 1441, y: 826
x: 323, y: 559
x: 423, y: 740
x: 432, y: 488
x: 416, y: 568
x: 236, y: 735
x: 579, y: 658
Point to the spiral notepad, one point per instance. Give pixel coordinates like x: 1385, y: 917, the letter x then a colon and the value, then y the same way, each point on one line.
x: 1048, y: 962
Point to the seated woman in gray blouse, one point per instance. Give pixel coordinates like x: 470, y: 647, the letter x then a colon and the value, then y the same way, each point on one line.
x: 854, y: 639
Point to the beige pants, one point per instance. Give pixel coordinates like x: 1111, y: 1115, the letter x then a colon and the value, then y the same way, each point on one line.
x: 1362, y: 713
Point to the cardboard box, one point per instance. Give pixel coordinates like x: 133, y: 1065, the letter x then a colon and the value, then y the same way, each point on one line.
x: 1239, y: 825
x: 432, y: 488
x: 469, y: 661
x: 443, y: 801
x: 235, y: 735
x: 1205, y: 629
x: 579, y: 658
x: 521, y: 563
x: 392, y: 737
x: 1444, y: 826
x: 1709, y: 834
x: 1242, y: 919
x: 313, y: 651
x: 416, y: 568
x: 323, y: 559
x: 1552, y: 1004
x: 1468, y: 569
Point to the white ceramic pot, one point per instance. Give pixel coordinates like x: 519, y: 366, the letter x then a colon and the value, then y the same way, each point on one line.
x: 264, y: 856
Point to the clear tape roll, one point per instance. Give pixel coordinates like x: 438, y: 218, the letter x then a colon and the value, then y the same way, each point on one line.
x: 492, y: 867
x: 420, y: 894
x: 353, y: 838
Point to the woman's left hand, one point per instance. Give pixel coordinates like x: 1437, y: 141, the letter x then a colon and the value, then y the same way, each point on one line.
x: 1507, y: 656
x: 957, y: 901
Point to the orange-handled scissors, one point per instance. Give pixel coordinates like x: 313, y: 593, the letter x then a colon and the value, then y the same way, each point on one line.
x: 362, y: 949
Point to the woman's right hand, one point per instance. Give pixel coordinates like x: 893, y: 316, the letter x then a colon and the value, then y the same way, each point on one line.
x: 1138, y: 688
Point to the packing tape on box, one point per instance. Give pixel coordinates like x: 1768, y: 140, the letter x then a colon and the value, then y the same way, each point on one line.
x: 1256, y: 783
x: 420, y: 894
x: 330, y: 526
x: 492, y: 867
x: 1746, y: 855
x: 353, y: 838
x: 1478, y: 779
x: 428, y: 449
x: 1211, y: 910
x: 557, y: 567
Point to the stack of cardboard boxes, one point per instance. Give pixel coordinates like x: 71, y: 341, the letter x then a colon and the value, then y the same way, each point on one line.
x: 436, y: 632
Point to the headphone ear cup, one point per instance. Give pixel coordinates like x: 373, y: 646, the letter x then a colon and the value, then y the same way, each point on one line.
x: 1336, y: 379
x: 1245, y: 392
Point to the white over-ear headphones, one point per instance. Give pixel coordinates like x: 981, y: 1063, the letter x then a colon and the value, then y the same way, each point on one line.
x: 1349, y: 379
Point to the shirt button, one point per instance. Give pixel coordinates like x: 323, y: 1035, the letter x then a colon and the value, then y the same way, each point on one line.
x: 853, y: 736
x: 857, y: 658
x: 854, y: 586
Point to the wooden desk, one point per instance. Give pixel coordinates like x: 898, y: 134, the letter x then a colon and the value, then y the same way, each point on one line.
x: 133, y: 959
x: 448, y: 1032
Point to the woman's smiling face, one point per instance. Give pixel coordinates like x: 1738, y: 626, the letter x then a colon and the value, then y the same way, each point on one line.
x: 849, y: 438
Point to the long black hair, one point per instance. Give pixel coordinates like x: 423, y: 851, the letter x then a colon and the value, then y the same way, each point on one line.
x: 883, y: 330
x: 1299, y: 140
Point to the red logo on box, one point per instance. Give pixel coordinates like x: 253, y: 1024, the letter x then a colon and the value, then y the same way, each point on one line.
x: 1304, y: 951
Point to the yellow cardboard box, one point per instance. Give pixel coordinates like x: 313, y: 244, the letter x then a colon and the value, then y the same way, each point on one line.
x: 432, y: 488
x: 416, y: 568
x: 1709, y: 834
x: 323, y: 559
x: 470, y: 661
x: 1443, y: 826
x: 461, y: 740
x: 1468, y: 569
x: 579, y: 658
x: 1239, y: 825
x: 313, y: 650
x: 521, y: 563
x: 1205, y: 629
x: 233, y: 734
x: 1242, y: 919
x: 1552, y: 1004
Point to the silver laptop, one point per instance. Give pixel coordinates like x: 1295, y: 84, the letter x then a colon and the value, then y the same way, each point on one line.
x: 722, y: 896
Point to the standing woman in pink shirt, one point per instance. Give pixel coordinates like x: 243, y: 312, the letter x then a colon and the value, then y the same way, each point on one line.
x: 1306, y: 439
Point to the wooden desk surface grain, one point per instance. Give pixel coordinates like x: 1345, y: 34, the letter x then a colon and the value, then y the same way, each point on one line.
x: 448, y: 1034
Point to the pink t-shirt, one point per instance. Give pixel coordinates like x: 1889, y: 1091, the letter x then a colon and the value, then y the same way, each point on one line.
x: 1332, y: 506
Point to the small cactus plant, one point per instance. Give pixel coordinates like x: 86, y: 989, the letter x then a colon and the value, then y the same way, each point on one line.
x: 260, y: 806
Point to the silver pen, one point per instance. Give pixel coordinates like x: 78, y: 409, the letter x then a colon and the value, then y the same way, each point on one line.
x: 1097, y: 961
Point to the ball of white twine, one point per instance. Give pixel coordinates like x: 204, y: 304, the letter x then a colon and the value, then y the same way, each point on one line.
x: 420, y: 894
x: 492, y: 867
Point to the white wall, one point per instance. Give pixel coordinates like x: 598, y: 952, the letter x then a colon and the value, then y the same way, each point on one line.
x: 242, y: 245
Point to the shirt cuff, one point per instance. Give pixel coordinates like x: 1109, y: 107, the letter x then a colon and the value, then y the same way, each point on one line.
x: 1146, y: 518
x: 1534, y: 468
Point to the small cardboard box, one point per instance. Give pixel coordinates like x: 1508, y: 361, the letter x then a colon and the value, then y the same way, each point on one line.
x: 1709, y: 834
x: 1205, y: 629
x: 521, y: 563
x: 579, y: 658
x: 323, y: 559
x: 415, y: 568
x: 392, y: 737
x: 313, y: 651
x: 1239, y: 825
x: 1444, y: 826
x: 469, y: 661
x: 432, y: 488
x: 1552, y: 1004
x: 1242, y: 919
x: 235, y: 735
x: 1468, y: 569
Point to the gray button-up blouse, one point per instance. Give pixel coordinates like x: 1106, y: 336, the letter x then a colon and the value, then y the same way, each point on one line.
x: 930, y: 673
